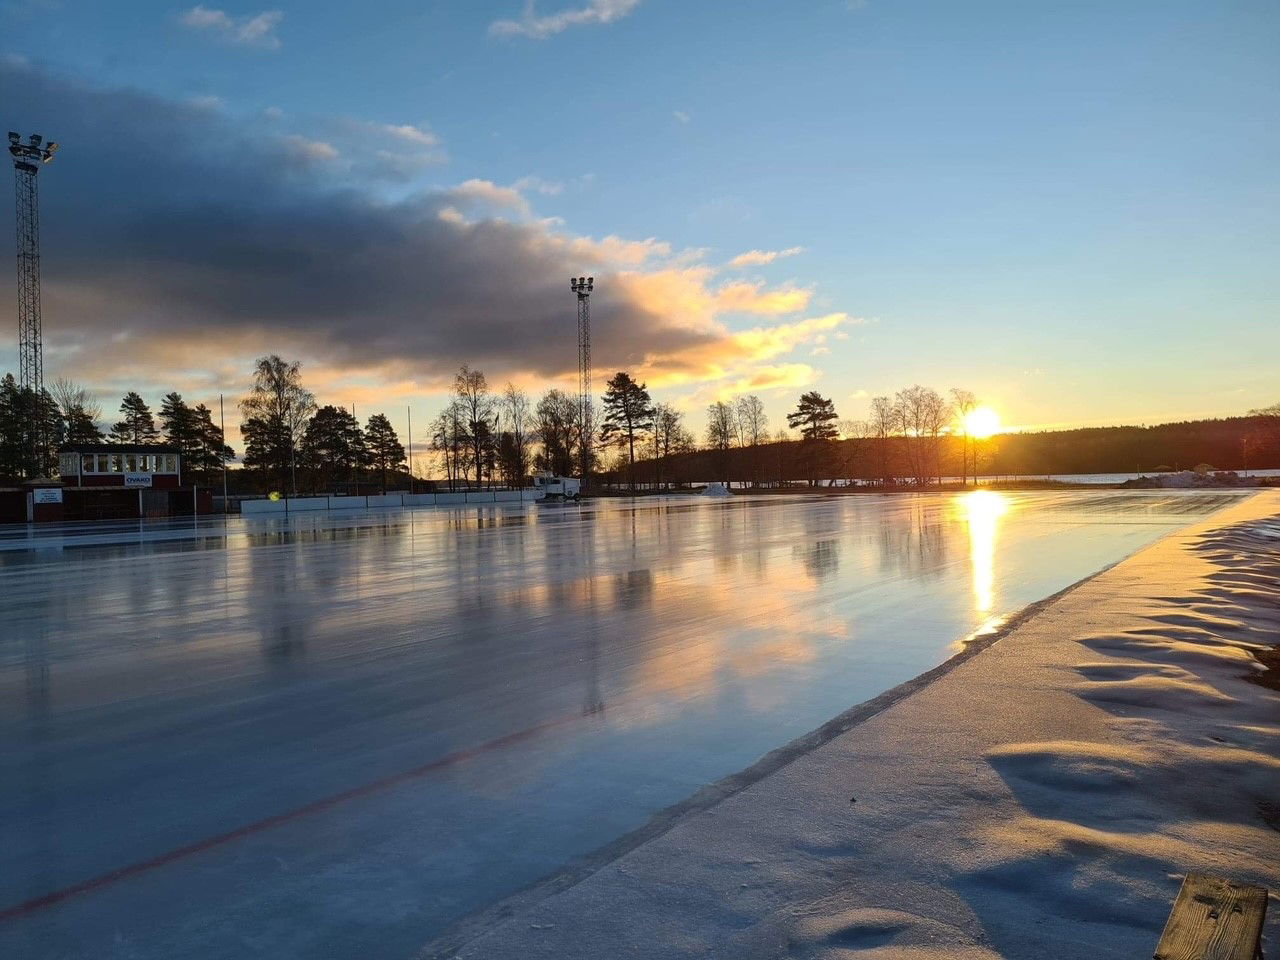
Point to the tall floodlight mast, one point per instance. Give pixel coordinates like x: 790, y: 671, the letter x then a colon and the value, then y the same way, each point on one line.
x: 27, y: 160
x: 583, y: 286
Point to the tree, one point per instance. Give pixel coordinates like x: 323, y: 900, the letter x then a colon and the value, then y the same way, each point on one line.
x: 922, y: 416
x: 963, y: 403
x: 628, y: 413
x: 80, y: 412
x: 669, y: 438
x: 386, y: 453
x: 753, y: 430
x: 276, y: 412
x: 179, y: 423
x: 513, y: 447
x: 138, y: 425
x: 449, y: 439
x: 333, y: 446
x: 556, y: 426
x: 472, y: 391
x: 31, y: 429
x: 753, y: 424
x: 814, y: 416
x: 211, y: 451
x: 721, y: 431
x: 883, y: 423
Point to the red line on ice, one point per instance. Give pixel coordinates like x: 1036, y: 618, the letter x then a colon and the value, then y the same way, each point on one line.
x: 452, y: 759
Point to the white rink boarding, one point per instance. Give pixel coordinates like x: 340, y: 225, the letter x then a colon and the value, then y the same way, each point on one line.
x: 374, y: 501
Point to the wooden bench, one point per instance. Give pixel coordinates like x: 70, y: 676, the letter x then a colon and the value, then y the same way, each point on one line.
x: 1214, y: 919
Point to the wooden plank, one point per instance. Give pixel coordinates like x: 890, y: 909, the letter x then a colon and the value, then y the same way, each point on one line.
x: 1214, y: 919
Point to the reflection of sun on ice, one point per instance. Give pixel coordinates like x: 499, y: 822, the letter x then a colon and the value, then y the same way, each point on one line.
x: 983, y: 510
x: 982, y: 422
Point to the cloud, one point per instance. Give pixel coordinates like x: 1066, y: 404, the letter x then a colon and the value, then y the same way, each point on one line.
x: 681, y: 116
x: 240, y: 241
x: 307, y: 152
x: 754, y: 258
x: 545, y: 187
x: 255, y: 31
x: 531, y: 25
x: 208, y: 102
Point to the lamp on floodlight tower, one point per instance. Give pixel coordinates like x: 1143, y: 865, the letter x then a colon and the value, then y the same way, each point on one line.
x: 582, y: 286
x: 27, y: 159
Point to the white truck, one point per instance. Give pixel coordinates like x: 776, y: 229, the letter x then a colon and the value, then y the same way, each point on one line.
x: 553, y: 487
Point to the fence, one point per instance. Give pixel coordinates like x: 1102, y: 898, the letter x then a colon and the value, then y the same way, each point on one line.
x: 380, y: 501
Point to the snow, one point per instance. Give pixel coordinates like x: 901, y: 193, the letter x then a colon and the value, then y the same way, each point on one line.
x: 339, y: 734
x: 1044, y: 797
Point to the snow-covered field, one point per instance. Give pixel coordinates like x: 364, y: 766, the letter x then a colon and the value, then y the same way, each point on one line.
x: 1043, y: 798
x: 338, y: 735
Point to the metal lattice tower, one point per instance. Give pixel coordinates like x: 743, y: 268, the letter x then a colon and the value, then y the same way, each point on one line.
x: 583, y: 286
x: 27, y: 159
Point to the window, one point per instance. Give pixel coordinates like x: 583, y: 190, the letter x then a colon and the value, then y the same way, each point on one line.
x: 67, y: 464
x: 88, y: 463
x: 104, y: 463
x: 170, y: 463
x: 117, y: 463
x: 130, y: 463
x: 144, y: 463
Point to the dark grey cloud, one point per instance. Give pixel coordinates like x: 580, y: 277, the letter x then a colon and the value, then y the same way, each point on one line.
x: 170, y: 227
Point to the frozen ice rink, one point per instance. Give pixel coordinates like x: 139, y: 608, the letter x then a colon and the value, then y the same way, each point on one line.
x: 335, y: 735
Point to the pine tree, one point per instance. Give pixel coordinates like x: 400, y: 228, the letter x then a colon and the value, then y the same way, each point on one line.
x: 211, y: 450
x: 80, y: 427
x: 179, y: 422
x: 628, y: 412
x: 138, y: 425
x: 333, y: 446
x: 814, y: 415
x: 13, y: 434
x: 385, y: 450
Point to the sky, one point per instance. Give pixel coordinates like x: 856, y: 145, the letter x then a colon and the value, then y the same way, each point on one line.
x: 1068, y: 208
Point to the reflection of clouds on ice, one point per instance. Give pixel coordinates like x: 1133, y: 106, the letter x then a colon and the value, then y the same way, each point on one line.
x: 591, y: 665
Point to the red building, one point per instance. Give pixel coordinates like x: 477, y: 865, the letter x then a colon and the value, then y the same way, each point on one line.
x: 135, y: 466
x: 118, y: 481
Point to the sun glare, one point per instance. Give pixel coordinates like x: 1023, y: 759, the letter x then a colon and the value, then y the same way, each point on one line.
x: 982, y: 422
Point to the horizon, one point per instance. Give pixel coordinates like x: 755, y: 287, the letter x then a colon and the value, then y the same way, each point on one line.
x: 867, y: 217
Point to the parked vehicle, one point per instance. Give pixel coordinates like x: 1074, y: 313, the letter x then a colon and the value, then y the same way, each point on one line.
x: 554, y: 487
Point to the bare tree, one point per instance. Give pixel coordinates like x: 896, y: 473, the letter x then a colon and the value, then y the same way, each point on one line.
x: 922, y: 415
x: 556, y: 419
x: 883, y: 424
x: 753, y: 429
x: 721, y: 432
x: 517, y: 422
x: 669, y: 438
x: 449, y: 438
x: 472, y: 391
x: 964, y: 402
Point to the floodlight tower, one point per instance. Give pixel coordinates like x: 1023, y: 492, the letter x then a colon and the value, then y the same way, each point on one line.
x: 582, y: 286
x: 27, y: 160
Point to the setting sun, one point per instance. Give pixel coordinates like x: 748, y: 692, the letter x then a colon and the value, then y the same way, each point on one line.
x: 982, y: 422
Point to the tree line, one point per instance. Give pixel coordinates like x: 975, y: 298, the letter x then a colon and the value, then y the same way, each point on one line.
x: 33, y: 428
x: 487, y: 437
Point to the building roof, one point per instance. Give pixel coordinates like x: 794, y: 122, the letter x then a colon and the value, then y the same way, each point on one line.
x: 118, y: 448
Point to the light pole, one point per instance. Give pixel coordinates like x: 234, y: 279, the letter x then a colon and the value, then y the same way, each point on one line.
x: 582, y: 287
x: 27, y: 159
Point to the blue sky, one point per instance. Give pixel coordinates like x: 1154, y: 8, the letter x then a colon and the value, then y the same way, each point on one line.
x: 1070, y: 208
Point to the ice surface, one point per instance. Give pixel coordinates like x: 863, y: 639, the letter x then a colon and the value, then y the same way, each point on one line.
x: 337, y: 734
